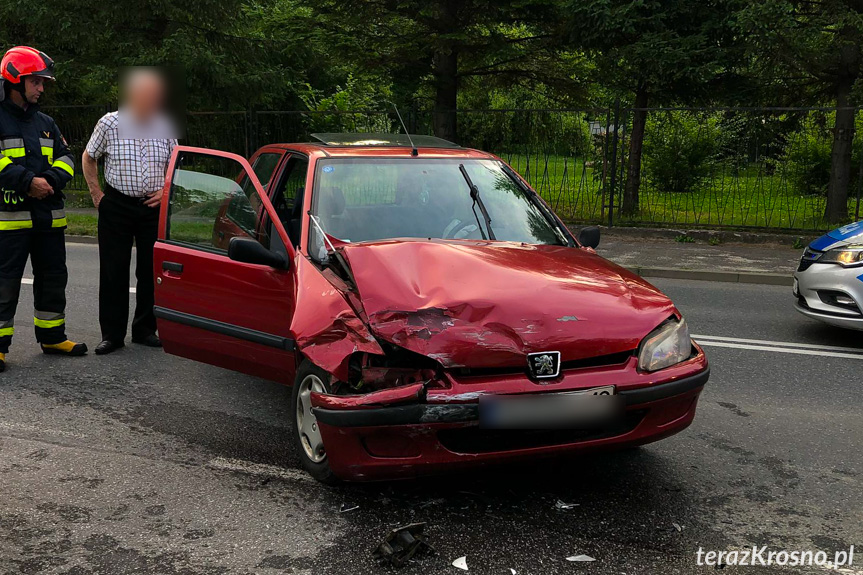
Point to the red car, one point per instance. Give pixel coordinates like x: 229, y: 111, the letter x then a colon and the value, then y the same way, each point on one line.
x: 428, y: 307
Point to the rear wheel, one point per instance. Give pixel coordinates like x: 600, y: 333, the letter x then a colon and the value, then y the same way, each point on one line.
x: 305, y: 431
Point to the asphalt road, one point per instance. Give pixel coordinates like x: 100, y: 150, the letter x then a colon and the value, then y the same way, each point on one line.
x: 139, y: 462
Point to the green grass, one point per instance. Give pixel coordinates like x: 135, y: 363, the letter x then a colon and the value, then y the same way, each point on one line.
x: 81, y: 224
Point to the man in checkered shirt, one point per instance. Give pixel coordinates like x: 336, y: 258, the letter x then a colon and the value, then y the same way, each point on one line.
x: 136, y: 144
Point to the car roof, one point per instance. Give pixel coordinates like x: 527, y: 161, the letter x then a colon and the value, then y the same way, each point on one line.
x: 381, y: 145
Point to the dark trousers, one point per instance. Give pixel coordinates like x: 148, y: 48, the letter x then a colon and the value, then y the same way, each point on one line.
x: 123, y: 219
x: 47, y: 252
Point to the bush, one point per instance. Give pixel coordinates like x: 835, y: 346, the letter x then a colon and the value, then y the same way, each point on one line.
x: 807, y: 159
x: 680, y: 150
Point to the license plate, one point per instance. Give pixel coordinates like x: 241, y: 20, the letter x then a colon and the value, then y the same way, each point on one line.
x: 583, y: 409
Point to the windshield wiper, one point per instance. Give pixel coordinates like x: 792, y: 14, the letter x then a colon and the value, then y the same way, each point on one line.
x: 477, y: 200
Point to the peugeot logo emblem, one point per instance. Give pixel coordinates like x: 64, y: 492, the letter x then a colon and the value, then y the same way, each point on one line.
x: 544, y: 364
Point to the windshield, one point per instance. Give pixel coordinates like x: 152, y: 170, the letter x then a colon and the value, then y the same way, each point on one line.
x: 367, y: 199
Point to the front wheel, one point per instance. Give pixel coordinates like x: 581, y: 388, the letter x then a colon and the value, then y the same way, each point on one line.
x: 306, y: 434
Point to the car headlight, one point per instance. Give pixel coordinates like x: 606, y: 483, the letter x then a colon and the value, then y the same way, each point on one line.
x: 666, y: 345
x: 847, y: 256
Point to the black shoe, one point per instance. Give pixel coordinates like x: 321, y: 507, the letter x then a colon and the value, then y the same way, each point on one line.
x: 151, y: 340
x: 108, y: 346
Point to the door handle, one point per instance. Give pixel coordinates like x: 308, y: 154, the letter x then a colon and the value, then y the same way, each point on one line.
x: 172, y: 267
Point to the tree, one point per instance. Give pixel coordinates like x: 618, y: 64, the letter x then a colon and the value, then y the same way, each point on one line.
x: 670, y: 51
x: 441, y: 43
x: 816, y: 47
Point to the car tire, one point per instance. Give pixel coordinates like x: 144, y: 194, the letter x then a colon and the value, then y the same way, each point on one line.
x: 306, y: 437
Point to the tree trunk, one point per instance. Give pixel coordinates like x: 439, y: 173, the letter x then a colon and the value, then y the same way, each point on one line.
x: 836, y: 211
x: 445, y: 69
x: 636, y: 144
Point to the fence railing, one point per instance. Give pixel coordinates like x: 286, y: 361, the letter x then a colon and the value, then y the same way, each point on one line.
x: 763, y: 168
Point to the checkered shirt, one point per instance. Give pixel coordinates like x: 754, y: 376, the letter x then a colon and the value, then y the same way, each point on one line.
x: 133, y: 167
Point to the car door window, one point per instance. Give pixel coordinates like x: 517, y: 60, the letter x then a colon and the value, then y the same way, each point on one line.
x: 209, y: 206
x: 288, y: 196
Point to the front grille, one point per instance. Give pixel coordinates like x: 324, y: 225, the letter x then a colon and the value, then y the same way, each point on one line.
x: 596, y: 361
x: 476, y: 440
x: 810, y: 256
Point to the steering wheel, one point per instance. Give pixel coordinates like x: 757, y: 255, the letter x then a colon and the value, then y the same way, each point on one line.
x: 467, y: 225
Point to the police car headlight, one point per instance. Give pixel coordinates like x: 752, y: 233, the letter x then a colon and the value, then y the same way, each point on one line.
x: 848, y: 256
x: 665, y: 346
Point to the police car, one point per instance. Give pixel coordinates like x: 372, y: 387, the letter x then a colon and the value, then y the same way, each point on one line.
x: 828, y: 283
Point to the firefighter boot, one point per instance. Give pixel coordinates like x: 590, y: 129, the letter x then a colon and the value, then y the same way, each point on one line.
x: 67, y: 347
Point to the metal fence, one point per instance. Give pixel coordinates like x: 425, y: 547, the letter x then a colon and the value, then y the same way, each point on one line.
x: 742, y: 168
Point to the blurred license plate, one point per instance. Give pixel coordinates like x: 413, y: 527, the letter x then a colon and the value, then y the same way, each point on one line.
x: 586, y: 409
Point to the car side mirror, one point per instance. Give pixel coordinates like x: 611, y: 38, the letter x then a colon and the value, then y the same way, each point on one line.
x: 589, y: 236
x: 250, y: 251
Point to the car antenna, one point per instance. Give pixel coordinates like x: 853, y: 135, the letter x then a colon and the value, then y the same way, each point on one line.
x: 414, y: 151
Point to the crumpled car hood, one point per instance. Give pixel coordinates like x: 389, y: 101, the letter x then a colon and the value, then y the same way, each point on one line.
x: 481, y: 304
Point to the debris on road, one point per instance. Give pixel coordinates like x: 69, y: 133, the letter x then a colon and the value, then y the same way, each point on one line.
x: 580, y: 558
x: 348, y: 507
x: 402, y: 543
x: 565, y: 506
x: 460, y: 563
x: 677, y: 526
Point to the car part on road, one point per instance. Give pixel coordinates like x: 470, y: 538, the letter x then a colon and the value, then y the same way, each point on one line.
x: 565, y: 506
x: 581, y: 558
x: 403, y: 543
x: 460, y: 563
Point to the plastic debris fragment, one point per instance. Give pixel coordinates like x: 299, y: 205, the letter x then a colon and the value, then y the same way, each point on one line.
x: 348, y: 507
x: 565, y: 506
x: 402, y: 543
x: 580, y: 558
x: 460, y: 563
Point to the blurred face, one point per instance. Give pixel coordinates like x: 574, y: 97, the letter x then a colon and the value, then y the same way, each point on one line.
x: 33, y: 88
x: 145, y: 94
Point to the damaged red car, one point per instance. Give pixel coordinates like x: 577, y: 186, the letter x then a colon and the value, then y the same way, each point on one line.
x: 429, y: 309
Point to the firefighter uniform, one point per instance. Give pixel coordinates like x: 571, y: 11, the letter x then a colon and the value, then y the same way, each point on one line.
x: 31, y: 146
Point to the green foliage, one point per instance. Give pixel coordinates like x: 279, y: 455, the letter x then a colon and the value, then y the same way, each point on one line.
x: 714, y: 240
x: 684, y: 239
x: 807, y: 158
x: 680, y: 150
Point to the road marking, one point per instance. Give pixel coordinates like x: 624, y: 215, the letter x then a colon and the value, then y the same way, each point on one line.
x: 779, y: 346
x: 779, y: 343
x: 29, y: 282
x: 261, y: 469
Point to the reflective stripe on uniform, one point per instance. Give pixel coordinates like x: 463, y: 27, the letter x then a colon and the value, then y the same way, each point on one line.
x: 7, y: 331
x: 66, y: 163
x: 4, y: 161
x: 58, y: 218
x: 12, y: 147
x: 48, y: 319
x: 15, y: 220
x: 47, y: 145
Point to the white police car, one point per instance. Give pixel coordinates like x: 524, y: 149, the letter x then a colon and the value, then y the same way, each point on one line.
x: 828, y: 283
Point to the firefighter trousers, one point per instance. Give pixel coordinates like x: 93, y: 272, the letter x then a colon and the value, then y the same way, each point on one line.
x: 47, y: 252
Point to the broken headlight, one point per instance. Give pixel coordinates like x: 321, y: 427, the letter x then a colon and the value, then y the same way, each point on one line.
x: 665, y: 346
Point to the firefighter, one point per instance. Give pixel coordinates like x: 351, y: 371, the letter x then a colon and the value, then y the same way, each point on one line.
x: 35, y: 165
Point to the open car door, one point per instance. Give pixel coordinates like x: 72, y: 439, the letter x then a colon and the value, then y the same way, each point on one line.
x: 225, y: 287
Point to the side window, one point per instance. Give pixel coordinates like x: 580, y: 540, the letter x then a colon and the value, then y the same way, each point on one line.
x: 209, y: 206
x: 288, y: 197
x: 264, y: 166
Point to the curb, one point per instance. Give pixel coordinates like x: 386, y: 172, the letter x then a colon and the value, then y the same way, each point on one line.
x: 713, y: 276
x: 73, y: 239
x: 702, y: 235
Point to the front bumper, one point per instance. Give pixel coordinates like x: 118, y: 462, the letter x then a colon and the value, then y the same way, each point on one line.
x: 403, y: 441
x: 815, y: 286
